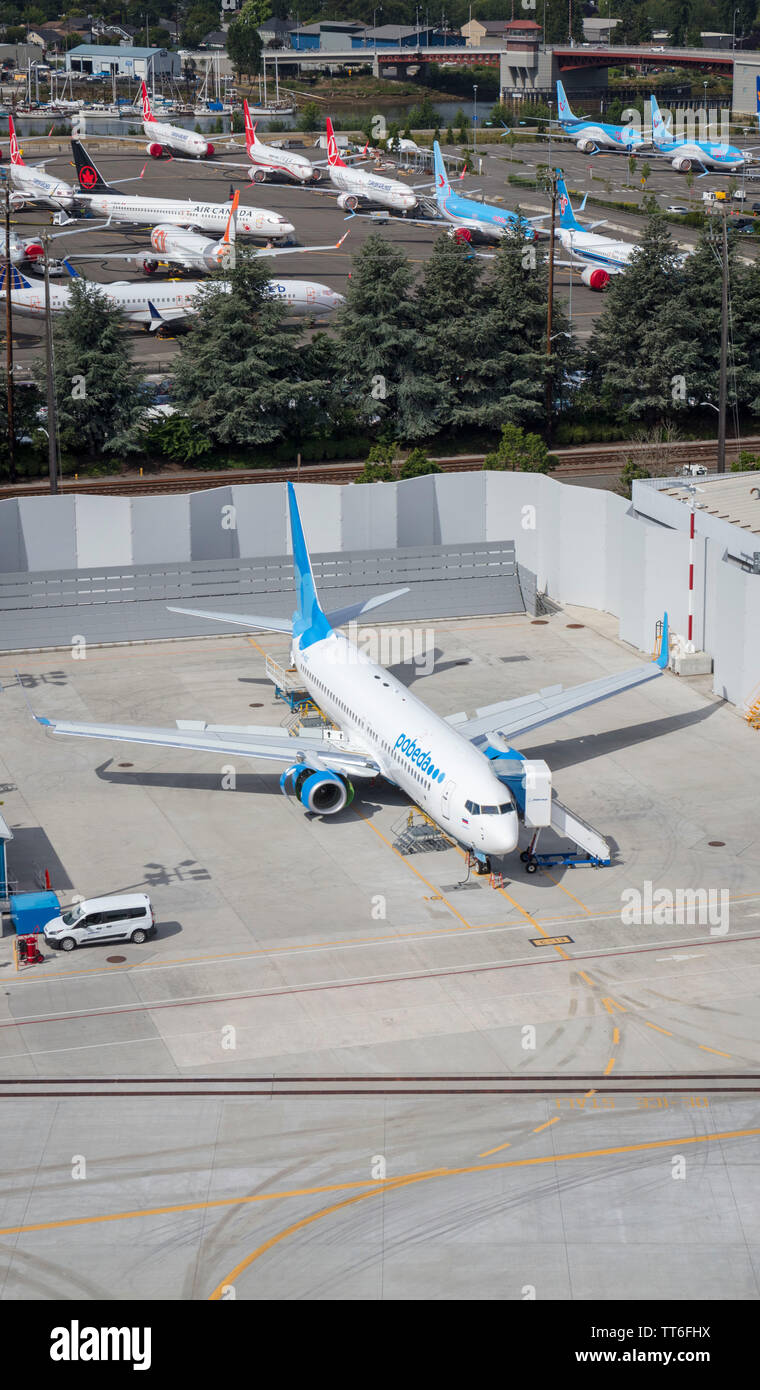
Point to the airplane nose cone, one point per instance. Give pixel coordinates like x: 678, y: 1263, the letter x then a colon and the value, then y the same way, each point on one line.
x: 409, y: 201
x: 284, y: 228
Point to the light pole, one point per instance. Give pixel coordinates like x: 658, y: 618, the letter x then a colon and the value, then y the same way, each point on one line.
x: 733, y: 31
x: 707, y: 114
x: 475, y: 118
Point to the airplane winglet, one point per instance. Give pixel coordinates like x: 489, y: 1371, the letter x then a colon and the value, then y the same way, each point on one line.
x: 662, y: 659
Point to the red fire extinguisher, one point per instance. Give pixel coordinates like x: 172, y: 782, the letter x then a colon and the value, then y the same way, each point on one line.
x: 33, y: 952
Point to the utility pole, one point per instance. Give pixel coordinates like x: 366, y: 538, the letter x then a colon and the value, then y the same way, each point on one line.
x: 52, y: 420
x: 723, y: 353
x: 550, y: 305
x: 9, y: 341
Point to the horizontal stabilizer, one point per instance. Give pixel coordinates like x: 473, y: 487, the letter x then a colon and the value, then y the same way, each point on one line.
x: 355, y: 610
x: 252, y: 620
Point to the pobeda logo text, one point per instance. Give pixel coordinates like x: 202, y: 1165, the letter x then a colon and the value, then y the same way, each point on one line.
x: 421, y: 759
x: 75, y: 1343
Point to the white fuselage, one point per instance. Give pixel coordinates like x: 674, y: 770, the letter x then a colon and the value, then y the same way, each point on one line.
x: 176, y: 301
x: 173, y: 137
x: 597, y: 250
x: 190, y: 250
x: 371, y: 188
x: 34, y: 186
x: 209, y: 217
x: 268, y: 159
x: 436, y: 766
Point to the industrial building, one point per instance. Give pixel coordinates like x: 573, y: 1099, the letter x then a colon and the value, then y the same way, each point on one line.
x: 105, y: 60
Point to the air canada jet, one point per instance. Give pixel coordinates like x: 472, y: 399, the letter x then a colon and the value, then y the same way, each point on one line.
x: 461, y: 771
x: 592, y: 136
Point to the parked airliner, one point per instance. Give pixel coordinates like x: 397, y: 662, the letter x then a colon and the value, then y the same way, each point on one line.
x: 269, y: 160
x: 99, y: 197
x: 186, y: 250
x: 603, y: 257
x: 706, y: 154
x: 24, y: 248
x: 449, y: 767
x: 31, y: 186
x: 163, y: 137
x: 358, y: 187
x: 468, y: 216
x: 592, y: 136
x: 167, y: 303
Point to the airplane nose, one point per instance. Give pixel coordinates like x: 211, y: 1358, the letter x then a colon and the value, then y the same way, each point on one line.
x: 284, y: 228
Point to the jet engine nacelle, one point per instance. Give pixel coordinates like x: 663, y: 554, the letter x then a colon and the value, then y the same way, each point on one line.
x: 34, y: 251
x: 154, y: 149
x: 348, y: 201
x: 17, y: 202
x: 595, y: 277
x: 257, y: 175
x: 586, y: 146
x: 150, y: 265
x: 682, y: 164
x: 463, y: 235
x: 322, y: 792
x: 209, y: 151
x: 316, y: 175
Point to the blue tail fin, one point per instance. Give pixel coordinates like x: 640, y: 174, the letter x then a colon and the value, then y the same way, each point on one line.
x: 309, y: 622
x: 567, y: 217
x: 18, y: 281
x: 564, y: 113
x: 442, y: 185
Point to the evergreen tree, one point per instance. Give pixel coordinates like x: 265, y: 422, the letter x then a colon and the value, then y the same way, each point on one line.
x: 452, y: 388
x: 520, y: 452
x: 744, y: 306
x: 97, y: 386
x: 241, y: 375
x: 517, y: 366
x: 376, y: 347
x: 243, y: 42
x: 628, y: 342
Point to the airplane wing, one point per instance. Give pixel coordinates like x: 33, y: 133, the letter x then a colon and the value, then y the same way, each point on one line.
x: 271, y: 744
x: 496, y: 724
x: 295, y: 250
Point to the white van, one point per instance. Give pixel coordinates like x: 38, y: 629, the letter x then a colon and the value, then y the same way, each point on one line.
x: 126, y: 918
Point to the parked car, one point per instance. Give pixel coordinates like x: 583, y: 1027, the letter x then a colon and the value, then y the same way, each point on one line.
x: 677, y: 207
x: 127, y: 917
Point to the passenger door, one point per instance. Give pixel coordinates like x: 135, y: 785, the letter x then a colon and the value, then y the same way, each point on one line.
x: 448, y: 788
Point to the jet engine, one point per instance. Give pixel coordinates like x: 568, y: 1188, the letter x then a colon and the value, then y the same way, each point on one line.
x: 257, y: 175
x: 209, y: 151
x: 461, y: 234
x: 34, y: 251
x: 150, y: 265
x: 154, y: 149
x: 586, y: 146
x: 316, y: 175
x: 348, y: 201
x: 595, y: 277
x: 323, y: 792
x: 682, y: 164
x: 17, y: 202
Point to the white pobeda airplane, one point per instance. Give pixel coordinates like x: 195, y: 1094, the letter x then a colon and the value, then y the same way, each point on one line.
x: 167, y: 303
x: 191, y: 251
x: 99, y: 197
x: 29, y: 184
x: 455, y: 769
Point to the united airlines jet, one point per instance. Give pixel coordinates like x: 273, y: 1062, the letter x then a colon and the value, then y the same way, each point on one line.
x: 450, y: 767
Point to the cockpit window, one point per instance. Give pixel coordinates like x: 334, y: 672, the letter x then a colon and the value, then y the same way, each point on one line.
x: 489, y: 810
x: 472, y: 807
x: 506, y: 806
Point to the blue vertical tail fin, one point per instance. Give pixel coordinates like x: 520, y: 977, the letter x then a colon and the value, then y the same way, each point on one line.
x: 309, y: 622
x: 442, y: 185
x: 18, y: 281
x: 564, y: 112
x: 567, y: 217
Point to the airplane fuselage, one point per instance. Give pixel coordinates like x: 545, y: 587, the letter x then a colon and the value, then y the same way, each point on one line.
x: 172, y: 137
x: 371, y: 188
x: 41, y: 189
x: 176, y: 301
x: 590, y: 135
x: 209, y: 217
x: 417, y: 750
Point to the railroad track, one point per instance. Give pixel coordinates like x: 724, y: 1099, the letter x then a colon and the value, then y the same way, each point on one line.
x: 592, y: 461
x: 569, y: 1084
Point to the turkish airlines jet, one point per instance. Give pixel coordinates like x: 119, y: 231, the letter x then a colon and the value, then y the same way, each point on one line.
x: 99, y: 197
x: 167, y: 303
x: 358, y: 186
x: 460, y: 771
x: 163, y: 137
x: 269, y: 159
x: 190, y: 251
x: 31, y: 186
